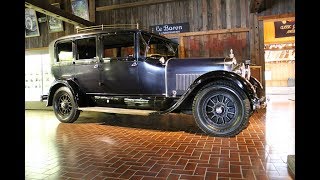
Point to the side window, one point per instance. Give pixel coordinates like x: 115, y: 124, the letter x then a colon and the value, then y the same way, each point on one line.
x: 64, y: 51
x: 86, y: 48
x: 118, y: 46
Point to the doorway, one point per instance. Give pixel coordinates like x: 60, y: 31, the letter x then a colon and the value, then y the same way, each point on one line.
x: 279, y: 52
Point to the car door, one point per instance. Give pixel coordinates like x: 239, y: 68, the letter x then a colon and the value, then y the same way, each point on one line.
x: 87, y: 67
x: 119, y: 66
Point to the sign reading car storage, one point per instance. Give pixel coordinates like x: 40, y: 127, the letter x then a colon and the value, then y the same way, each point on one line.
x: 170, y: 28
x: 284, y: 28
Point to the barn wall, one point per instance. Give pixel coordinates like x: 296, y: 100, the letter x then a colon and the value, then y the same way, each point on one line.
x: 242, y: 31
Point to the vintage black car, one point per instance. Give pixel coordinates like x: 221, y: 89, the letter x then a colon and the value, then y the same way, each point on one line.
x: 138, y: 72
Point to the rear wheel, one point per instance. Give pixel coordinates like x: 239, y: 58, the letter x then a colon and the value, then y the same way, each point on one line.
x: 221, y: 109
x: 65, y: 106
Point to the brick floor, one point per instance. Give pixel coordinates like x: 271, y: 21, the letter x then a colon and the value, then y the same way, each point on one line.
x: 101, y: 146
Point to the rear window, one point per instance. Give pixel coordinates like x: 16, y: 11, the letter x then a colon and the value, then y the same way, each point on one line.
x: 64, y: 51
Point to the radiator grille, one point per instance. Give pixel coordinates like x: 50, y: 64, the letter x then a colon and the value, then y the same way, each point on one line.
x: 183, y: 81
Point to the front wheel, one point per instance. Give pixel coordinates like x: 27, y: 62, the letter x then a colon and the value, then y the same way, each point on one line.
x: 221, y: 109
x: 65, y: 106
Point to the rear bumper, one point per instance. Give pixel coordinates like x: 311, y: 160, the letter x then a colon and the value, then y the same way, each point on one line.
x: 259, y: 103
x: 43, y: 98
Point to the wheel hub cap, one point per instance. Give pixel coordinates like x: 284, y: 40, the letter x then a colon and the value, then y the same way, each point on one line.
x: 219, y: 110
x: 64, y: 105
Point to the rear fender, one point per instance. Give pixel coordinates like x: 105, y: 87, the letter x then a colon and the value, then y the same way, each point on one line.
x: 71, y: 84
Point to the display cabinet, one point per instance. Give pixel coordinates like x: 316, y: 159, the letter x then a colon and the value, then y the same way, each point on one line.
x: 38, y: 76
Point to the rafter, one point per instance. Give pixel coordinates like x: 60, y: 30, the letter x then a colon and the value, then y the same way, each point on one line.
x: 46, y: 8
x: 133, y: 4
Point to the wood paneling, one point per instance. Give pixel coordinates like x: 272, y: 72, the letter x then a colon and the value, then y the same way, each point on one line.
x: 274, y: 7
x: 256, y: 72
x: 117, y: 5
x: 215, y: 45
x: 201, y: 14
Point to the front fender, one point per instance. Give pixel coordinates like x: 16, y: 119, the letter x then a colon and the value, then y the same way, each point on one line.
x: 70, y: 83
x: 206, y: 78
x: 258, y: 86
x: 241, y: 82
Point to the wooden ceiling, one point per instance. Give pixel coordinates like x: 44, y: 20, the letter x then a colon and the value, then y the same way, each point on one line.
x: 133, y: 4
x: 44, y: 7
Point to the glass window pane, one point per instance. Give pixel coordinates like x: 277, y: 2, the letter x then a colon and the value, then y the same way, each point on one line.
x: 64, y: 51
x: 118, y: 46
x: 86, y: 48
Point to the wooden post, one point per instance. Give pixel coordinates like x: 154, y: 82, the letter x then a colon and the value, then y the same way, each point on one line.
x: 92, y: 10
x: 204, y: 15
x: 182, y: 49
x: 261, y: 55
x: 228, y: 14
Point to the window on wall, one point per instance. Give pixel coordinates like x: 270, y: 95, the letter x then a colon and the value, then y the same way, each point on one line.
x: 64, y: 51
x: 86, y: 48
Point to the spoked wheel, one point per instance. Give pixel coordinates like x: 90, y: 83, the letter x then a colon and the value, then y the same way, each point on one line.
x: 64, y: 105
x: 221, y: 109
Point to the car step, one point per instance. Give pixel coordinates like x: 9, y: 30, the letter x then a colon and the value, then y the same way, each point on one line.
x: 118, y: 110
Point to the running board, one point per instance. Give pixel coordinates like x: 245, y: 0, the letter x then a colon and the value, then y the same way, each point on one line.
x: 118, y: 110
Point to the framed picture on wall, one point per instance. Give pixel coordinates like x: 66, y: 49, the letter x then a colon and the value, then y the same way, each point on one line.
x: 54, y: 24
x: 80, y: 8
x: 31, y: 23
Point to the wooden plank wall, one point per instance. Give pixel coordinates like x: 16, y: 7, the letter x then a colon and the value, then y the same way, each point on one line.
x: 217, y: 45
x: 201, y: 14
x: 276, y: 7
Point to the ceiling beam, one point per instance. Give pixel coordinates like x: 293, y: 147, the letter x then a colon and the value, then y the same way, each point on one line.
x: 92, y: 10
x: 287, y: 16
x: 133, y: 4
x: 46, y: 8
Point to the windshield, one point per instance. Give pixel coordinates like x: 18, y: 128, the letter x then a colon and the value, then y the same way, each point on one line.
x: 155, y: 47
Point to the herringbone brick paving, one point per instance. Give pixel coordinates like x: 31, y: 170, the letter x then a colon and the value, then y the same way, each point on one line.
x: 126, y: 147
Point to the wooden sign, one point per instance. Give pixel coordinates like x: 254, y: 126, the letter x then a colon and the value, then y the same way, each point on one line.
x: 284, y: 29
x: 170, y: 28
